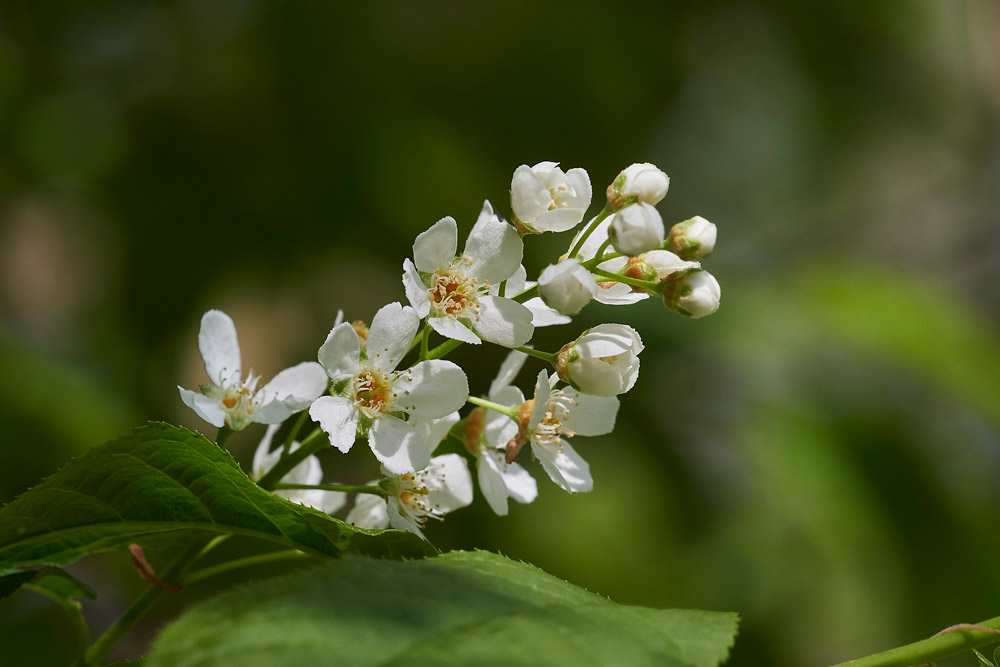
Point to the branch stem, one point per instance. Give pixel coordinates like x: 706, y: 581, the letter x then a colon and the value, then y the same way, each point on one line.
x: 953, y: 641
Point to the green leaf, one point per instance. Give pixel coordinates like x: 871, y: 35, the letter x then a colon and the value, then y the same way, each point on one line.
x: 456, y: 609
x: 50, y: 581
x: 983, y: 660
x: 161, y: 478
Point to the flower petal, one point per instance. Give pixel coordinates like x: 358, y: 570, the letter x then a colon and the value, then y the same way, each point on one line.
x: 338, y: 417
x: 497, y: 427
x: 504, y: 322
x: 521, y: 486
x: 579, y: 181
x: 340, y: 355
x: 206, y: 408
x: 431, y: 388
x: 489, y: 472
x: 416, y: 291
x: 528, y: 196
x: 263, y: 458
x: 453, y: 487
x: 291, y: 391
x: 369, y: 512
x: 433, y: 431
x: 494, y: 247
x: 452, y: 328
x: 400, y: 518
x: 541, y: 398
x: 564, y: 466
x: 219, y: 348
x: 544, y: 316
x: 390, y: 334
x: 511, y: 366
x: 591, y: 415
x: 397, y: 446
x: 437, y: 246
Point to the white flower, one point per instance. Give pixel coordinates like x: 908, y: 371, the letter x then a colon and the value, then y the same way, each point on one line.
x: 693, y: 238
x: 567, y: 286
x: 557, y: 415
x: 636, y: 229
x: 693, y: 293
x: 652, y: 265
x: 230, y: 401
x: 487, y: 433
x: 412, y: 498
x: 370, y: 392
x: 306, y: 472
x: 603, y: 361
x: 642, y: 182
x: 453, y: 292
x: 545, y: 199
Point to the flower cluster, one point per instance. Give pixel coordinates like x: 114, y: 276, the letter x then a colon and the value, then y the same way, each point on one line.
x: 386, y: 385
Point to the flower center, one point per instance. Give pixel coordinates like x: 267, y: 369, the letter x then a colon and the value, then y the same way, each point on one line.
x: 455, y: 294
x: 415, y: 495
x: 557, y: 192
x: 550, y: 430
x: 372, y: 393
x: 238, y: 399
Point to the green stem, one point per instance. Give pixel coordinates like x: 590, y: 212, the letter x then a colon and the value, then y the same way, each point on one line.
x: 529, y: 293
x: 224, y: 434
x: 316, y: 441
x: 238, y: 563
x: 497, y: 407
x: 591, y: 264
x: 950, y: 642
x: 425, y: 336
x: 294, y: 433
x: 503, y: 289
x: 550, y: 357
x: 645, y: 284
x: 72, y: 607
x: 100, y: 648
x: 605, y: 212
x: 444, y: 348
x: 343, y: 488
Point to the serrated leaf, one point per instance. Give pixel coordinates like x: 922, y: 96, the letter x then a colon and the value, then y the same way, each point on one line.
x: 455, y: 609
x: 161, y: 478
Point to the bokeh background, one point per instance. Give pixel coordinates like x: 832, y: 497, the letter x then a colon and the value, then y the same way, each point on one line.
x: 821, y: 455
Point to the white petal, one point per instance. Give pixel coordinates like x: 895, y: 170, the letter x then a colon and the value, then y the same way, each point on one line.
x: 521, y: 486
x: 369, y: 512
x: 623, y: 331
x: 452, y: 328
x: 454, y: 483
x: 596, y: 377
x: 397, y: 446
x: 564, y: 466
x: 291, y: 391
x: 327, y: 501
x: 596, y: 239
x: 494, y: 247
x: 543, y: 316
x: 431, y: 388
x: 219, y: 347
x: 500, y: 428
x: 504, y: 322
x: 400, y: 518
x: 206, y: 408
x: 528, y: 196
x: 666, y: 262
x: 515, y: 284
x: 390, y: 334
x: 617, y: 294
x: 511, y: 366
x: 416, y: 291
x: 341, y: 353
x: 433, y: 431
x: 437, y: 246
x: 559, y: 219
x: 579, y: 180
x: 338, y: 418
x: 489, y: 471
x: 541, y: 398
x: 263, y: 458
x: 591, y: 415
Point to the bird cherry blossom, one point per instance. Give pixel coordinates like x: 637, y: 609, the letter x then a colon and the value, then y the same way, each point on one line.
x: 412, y: 498
x: 642, y: 181
x: 555, y: 416
x: 693, y: 238
x: 545, y: 199
x: 369, y: 392
x: 604, y: 361
x: 235, y: 403
x: 694, y: 293
x: 454, y: 291
x: 566, y: 286
x: 636, y: 229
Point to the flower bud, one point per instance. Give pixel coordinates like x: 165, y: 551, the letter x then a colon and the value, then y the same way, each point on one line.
x: 693, y: 293
x: 636, y: 229
x: 566, y: 286
x: 692, y: 239
x: 642, y: 182
x: 603, y: 361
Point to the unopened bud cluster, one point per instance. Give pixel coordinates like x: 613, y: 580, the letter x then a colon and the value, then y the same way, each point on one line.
x: 387, y: 385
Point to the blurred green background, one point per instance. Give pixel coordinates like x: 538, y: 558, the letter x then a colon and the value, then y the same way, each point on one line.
x: 821, y: 455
